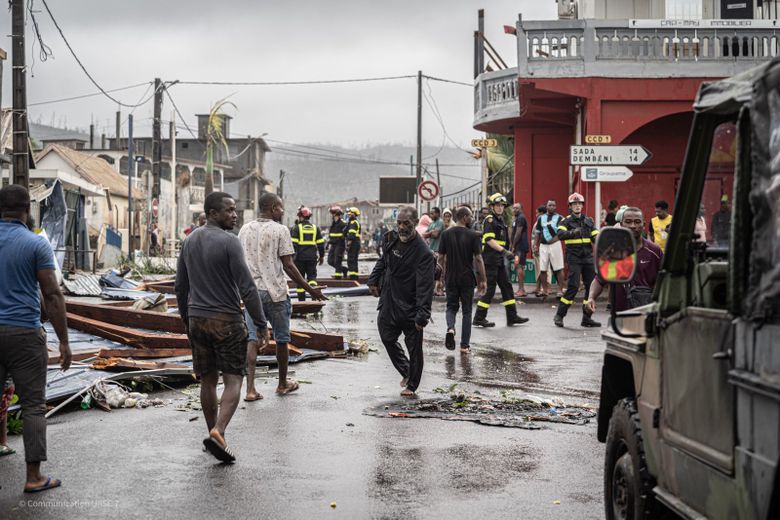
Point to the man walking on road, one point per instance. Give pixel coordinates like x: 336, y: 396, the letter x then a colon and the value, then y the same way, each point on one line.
x: 269, y: 252
x: 519, y: 246
x: 459, y: 252
x: 212, y: 278
x: 495, y: 239
x: 403, y: 281
x: 27, y: 269
x: 578, y: 232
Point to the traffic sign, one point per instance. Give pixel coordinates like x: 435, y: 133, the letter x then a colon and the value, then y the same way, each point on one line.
x: 619, y: 155
x: 428, y: 190
x: 155, y: 208
x: 605, y: 173
x: 598, y: 139
x: 484, y: 143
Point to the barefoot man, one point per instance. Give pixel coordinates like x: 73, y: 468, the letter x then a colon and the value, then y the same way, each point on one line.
x: 269, y: 252
x: 211, y: 280
x: 403, y: 281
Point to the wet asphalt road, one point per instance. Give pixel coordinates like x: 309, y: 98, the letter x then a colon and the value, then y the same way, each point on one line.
x: 298, y: 454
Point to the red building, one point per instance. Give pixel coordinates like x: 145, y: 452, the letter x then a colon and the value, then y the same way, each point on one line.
x: 633, y: 81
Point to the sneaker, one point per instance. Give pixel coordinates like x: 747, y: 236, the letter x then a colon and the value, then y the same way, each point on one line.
x: 558, y: 320
x: 589, y: 322
x: 449, y: 340
x: 515, y: 320
x: 482, y: 322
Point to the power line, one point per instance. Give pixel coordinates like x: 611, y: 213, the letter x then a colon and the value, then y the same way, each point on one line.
x: 83, y: 96
x: 444, y: 80
x: 304, y: 82
x: 83, y: 68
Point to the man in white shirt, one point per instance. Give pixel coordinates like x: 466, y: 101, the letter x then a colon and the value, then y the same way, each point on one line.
x: 269, y: 253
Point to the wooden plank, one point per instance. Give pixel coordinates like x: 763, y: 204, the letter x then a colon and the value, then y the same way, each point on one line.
x: 270, y: 350
x: 54, y: 358
x: 132, y: 364
x: 133, y: 338
x: 128, y: 317
x: 143, y: 352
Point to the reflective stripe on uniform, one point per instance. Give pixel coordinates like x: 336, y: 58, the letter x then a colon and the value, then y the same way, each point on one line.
x: 594, y: 232
x: 483, y: 304
x: 313, y: 283
x: 309, y: 230
x: 577, y: 241
x: 508, y: 302
x: 337, y: 275
x: 565, y: 301
x: 294, y: 240
x: 563, y: 228
x: 320, y: 241
x: 350, y: 273
x: 299, y: 290
x: 336, y: 235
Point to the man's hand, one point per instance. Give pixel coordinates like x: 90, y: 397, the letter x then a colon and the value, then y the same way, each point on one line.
x: 592, y: 306
x: 481, y: 288
x: 65, y: 356
x: 264, y: 338
x: 316, y: 294
x: 374, y: 290
x: 509, y: 254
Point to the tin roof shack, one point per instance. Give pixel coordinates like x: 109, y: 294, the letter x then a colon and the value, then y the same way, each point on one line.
x: 104, y: 212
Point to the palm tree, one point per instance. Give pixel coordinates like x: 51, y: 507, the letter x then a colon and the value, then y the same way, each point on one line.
x: 501, y: 164
x: 215, y: 137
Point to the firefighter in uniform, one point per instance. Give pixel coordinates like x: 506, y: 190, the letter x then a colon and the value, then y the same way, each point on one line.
x: 309, y: 247
x: 336, y: 243
x: 495, y: 237
x: 578, y: 232
x: 353, y: 242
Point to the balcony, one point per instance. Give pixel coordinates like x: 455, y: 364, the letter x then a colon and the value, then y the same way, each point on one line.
x: 622, y: 49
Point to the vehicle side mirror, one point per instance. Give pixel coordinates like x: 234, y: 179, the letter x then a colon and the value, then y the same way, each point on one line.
x: 615, y: 255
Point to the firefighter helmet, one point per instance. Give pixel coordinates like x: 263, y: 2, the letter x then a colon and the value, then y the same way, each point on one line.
x: 354, y: 211
x: 497, y: 198
x: 576, y: 197
x: 304, y: 212
x: 336, y: 210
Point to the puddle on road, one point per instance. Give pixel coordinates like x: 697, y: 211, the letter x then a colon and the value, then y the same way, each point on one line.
x: 525, y: 412
x: 464, y: 468
x: 487, y: 364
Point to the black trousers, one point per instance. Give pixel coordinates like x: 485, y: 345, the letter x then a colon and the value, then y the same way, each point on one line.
x: 579, y: 268
x: 353, y: 250
x: 410, y: 368
x: 308, y: 269
x: 336, y: 258
x: 496, y: 276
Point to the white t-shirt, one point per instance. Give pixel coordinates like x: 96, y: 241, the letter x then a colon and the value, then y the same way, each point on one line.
x: 265, y: 242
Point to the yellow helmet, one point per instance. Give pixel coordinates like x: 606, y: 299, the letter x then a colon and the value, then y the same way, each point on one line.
x: 497, y: 198
x: 354, y: 211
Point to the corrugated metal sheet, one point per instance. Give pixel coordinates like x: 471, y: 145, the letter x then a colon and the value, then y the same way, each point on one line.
x: 83, y: 285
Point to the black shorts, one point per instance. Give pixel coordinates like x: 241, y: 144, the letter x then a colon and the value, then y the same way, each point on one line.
x: 217, y: 345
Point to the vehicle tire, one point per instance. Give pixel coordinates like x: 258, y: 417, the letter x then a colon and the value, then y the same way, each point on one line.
x: 628, y: 485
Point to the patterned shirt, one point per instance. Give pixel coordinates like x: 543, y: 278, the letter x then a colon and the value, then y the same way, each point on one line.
x: 265, y: 242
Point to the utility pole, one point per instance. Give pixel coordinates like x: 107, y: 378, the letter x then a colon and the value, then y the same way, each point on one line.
x: 130, y: 168
x: 438, y: 181
x: 117, y: 145
x: 174, y: 184
x: 419, y: 136
x: 280, y: 191
x: 21, y: 153
x: 485, y: 174
x: 156, y: 147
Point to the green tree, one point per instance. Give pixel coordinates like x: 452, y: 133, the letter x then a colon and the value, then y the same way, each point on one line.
x: 215, y: 137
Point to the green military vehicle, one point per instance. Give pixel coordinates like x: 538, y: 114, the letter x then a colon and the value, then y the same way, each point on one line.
x: 690, y: 392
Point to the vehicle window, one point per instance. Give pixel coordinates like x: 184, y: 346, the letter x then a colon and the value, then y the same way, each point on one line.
x: 713, y: 225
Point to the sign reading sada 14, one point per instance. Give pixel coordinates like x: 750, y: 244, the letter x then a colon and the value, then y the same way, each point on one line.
x: 619, y: 155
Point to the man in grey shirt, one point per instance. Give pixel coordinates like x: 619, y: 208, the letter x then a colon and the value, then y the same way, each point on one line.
x: 212, y: 277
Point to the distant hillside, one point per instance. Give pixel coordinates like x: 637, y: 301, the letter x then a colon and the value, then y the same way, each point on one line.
x: 315, y: 179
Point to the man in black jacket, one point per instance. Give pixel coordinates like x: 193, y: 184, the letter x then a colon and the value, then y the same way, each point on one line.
x: 403, y: 281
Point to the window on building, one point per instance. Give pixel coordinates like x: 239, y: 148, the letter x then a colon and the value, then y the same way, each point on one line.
x: 683, y: 9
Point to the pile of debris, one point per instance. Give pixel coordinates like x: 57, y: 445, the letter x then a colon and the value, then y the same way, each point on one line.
x: 513, y: 412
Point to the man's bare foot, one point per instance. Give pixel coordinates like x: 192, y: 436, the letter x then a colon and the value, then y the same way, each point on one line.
x: 465, y: 350
x: 408, y: 393
x: 253, y: 396
x: 291, y: 386
x: 404, y: 381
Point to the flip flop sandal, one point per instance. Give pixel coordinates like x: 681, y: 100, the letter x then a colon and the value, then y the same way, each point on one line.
x: 258, y: 398
x: 49, y: 484
x: 5, y: 450
x: 222, y: 453
x: 292, y: 386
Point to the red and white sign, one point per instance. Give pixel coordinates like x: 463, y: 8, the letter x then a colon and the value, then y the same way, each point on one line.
x: 428, y: 190
x: 155, y: 208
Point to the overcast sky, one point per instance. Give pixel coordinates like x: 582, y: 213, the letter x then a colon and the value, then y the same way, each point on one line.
x: 122, y: 43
